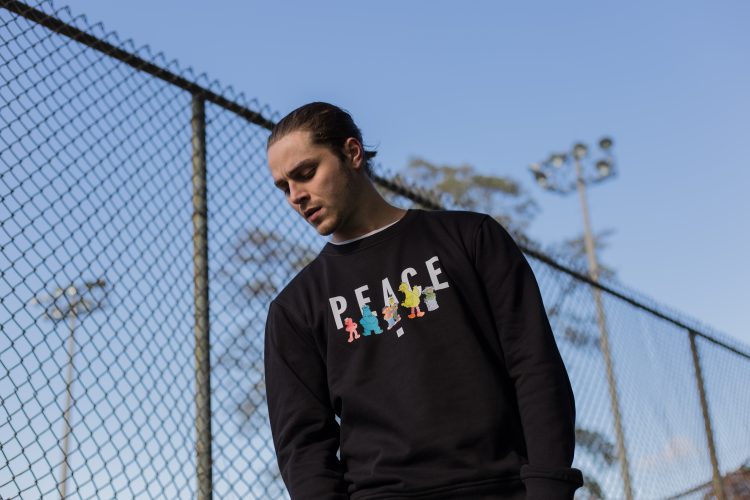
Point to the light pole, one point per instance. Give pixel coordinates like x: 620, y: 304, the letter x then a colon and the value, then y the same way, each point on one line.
x: 555, y: 174
x: 68, y: 302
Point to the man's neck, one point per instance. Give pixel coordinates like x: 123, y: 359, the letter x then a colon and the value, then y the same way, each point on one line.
x: 368, y: 221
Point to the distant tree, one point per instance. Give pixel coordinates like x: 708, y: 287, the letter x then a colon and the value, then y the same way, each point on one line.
x: 573, y: 251
x: 736, y: 484
x: 260, y: 265
x: 501, y: 197
x: 261, y: 262
x: 579, y: 327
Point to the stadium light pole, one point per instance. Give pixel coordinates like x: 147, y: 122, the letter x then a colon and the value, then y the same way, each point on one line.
x: 563, y: 173
x: 68, y: 302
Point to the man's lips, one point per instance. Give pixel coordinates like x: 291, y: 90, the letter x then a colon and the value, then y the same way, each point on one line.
x: 312, y: 213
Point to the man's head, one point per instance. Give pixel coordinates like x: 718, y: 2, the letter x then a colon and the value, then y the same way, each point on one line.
x: 328, y: 125
x: 316, y: 157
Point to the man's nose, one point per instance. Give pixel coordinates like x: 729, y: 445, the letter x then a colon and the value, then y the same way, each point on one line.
x: 297, y: 194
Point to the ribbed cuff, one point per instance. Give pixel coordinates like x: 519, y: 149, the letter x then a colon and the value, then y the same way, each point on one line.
x: 542, y: 483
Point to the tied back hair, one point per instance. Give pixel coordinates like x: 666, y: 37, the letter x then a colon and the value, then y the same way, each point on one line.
x: 328, y: 125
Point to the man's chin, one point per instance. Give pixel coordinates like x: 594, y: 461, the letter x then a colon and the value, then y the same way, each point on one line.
x: 327, y: 225
x: 324, y: 229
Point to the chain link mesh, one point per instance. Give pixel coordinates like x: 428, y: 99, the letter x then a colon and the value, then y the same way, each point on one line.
x: 97, y: 361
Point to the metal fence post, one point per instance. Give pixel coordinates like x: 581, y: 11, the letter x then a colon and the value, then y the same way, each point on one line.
x: 718, y: 487
x: 200, y: 253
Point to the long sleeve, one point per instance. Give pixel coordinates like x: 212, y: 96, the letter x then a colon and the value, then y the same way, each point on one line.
x: 545, y: 397
x: 303, y: 425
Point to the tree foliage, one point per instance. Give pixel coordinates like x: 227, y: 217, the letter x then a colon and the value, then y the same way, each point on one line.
x: 501, y: 197
x: 261, y: 262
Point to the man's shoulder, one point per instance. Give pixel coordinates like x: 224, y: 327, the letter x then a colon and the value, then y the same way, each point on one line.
x: 300, y: 285
x: 458, y: 215
x: 456, y: 220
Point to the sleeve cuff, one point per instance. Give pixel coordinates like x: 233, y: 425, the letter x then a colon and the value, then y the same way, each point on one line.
x: 543, y: 483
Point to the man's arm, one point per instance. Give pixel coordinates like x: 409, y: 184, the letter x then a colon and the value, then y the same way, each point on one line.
x: 545, y: 397
x: 303, y: 425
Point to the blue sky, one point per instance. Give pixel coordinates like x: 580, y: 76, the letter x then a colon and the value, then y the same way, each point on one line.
x: 497, y: 86
x: 500, y: 85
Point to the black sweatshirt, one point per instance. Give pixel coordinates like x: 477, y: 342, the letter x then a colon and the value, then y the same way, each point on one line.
x: 429, y: 340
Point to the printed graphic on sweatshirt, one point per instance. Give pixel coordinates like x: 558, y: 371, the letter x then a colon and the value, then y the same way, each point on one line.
x: 390, y: 313
x: 418, y: 291
x: 369, y: 322
x: 430, y: 299
x: 351, y: 328
x: 411, y: 298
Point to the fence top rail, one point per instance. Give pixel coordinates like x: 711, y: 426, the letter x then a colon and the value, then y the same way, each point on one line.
x: 396, y: 185
x: 133, y: 60
x: 640, y: 305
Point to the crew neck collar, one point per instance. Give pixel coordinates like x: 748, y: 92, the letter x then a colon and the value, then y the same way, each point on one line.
x: 372, y: 238
x: 365, y: 235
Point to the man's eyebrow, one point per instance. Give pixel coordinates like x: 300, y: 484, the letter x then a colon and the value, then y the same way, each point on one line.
x: 294, y: 171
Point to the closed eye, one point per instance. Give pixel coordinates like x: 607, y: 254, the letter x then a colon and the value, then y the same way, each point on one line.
x: 303, y: 172
x: 308, y: 174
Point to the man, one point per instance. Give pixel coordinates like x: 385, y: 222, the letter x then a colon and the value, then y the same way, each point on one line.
x: 424, y: 332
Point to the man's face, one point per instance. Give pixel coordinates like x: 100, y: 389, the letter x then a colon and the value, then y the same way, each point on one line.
x: 314, y: 180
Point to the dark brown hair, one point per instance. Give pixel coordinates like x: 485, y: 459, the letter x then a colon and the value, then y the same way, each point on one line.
x: 329, y: 125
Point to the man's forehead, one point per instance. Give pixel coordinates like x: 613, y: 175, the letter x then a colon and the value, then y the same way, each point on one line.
x: 290, y: 152
x: 292, y: 144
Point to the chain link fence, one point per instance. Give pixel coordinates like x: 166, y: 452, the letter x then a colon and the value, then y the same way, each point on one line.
x: 137, y: 211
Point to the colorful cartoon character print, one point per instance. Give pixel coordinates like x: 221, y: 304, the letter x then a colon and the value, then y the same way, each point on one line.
x: 390, y: 313
x: 411, y: 299
x: 430, y: 299
x: 369, y: 321
x: 351, y: 327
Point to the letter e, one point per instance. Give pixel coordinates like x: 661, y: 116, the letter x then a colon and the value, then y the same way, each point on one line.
x: 361, y: 299
x: 433, y: 272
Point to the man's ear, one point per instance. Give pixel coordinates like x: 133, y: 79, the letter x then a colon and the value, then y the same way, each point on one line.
x: 354, y: 152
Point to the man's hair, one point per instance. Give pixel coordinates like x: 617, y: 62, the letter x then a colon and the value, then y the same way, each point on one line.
x: 328, y: 125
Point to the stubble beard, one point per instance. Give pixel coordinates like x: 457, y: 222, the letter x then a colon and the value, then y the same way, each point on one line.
x: 346, y: 203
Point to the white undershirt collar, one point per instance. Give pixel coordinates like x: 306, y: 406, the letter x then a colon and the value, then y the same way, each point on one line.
x: 364, y: 235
